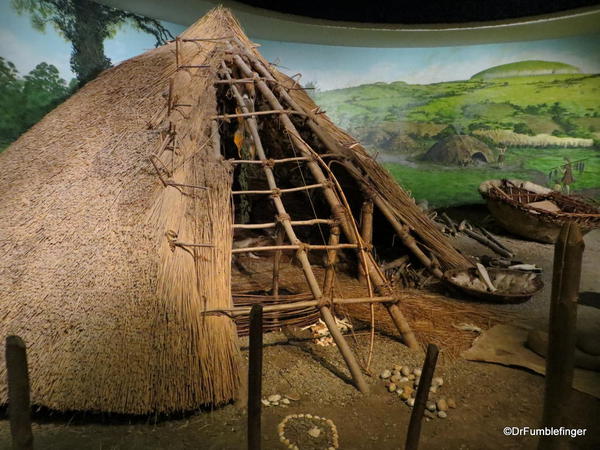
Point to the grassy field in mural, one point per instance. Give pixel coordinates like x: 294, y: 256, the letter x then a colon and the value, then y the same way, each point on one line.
x: 444, y: 186
x: 540, y: 111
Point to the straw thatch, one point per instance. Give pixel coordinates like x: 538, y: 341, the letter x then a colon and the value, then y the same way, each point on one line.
x: 109, y: 311
x: 103, y: 272
x: 459, y: 150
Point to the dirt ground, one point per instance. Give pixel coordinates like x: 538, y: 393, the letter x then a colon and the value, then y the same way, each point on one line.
x: 489, y: 397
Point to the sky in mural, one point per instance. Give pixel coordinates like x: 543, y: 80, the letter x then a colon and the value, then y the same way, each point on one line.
x: 330, y: 67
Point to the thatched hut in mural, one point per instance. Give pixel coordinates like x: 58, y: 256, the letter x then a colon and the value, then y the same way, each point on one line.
x: 117, y: 226
x: 459, y: 150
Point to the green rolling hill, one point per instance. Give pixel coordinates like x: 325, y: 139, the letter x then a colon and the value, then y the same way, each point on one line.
x: 526, y: 68
x: 384, y: 115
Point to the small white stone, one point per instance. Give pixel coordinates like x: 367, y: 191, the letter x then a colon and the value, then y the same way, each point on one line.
x: 405, y: 371
x: 404, y: 380
x: 417, y: 372
x: 399, y: 391
x: 411, y: 377
x: 442, y: 414
x: 308, y: 416
x: 274, y: 398
x: 386, y: 374
x: 430, y: 406
x: 433, y: 389
x: 410, y: 402
x: 285, y: 401
x: 437, y: 381
x: 265, y: 402
x: 314, y: 432
x: 392, y: 387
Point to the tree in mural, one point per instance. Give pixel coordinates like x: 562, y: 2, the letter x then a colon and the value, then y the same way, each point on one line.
x: 86, y: 24
x: 24, y: 101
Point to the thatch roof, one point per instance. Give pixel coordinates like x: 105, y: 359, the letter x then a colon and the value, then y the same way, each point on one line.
x: 459, y: 149
x: 110, y: 314
x: 95, y: 273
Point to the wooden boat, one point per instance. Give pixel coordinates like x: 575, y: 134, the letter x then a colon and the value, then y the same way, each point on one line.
x: 513, y: 286
x: 535, y: 212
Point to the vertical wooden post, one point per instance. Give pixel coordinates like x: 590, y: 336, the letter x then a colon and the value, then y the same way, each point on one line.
x: 566, y: 274
x: 366, y: 232
x: 414, y: 426
x: 255, y: 376
x: 334, y: 239
x: 177, y: 53
x: 277, y: 261
x: 19, y: 408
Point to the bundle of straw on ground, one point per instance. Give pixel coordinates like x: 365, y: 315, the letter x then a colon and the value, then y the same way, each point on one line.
x: 93, y: 276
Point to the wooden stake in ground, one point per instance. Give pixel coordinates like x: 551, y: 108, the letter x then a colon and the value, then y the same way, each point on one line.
x: 255, y: 377
x: 414, y: 426
x: 566, y: 274
x: 19, y: 408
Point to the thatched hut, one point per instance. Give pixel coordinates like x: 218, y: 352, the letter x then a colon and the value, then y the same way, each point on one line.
x: 118, y: 227
x: 459, y: 150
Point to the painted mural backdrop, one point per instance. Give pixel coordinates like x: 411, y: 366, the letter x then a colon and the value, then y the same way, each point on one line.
x: 442, y: 120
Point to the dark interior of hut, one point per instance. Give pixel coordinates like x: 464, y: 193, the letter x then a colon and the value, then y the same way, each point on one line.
x: 236, y: 144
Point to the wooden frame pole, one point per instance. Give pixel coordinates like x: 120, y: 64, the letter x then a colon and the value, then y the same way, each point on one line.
x: 333, y: 147
x: 366, y: 231
x: 285, y: 220
x: 334, y: 239
x: 336, y: 206
x: 277, y: 262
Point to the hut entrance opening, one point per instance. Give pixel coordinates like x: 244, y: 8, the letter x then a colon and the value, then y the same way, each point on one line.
x: 290, y: 210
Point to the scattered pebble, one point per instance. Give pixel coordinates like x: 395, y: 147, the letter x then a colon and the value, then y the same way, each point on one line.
x: 314, y: 432
x: 274, y: 398
x: 442, y: 404
x: 285, y: 401
x: 404, y: 381
x: 265, y: 402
